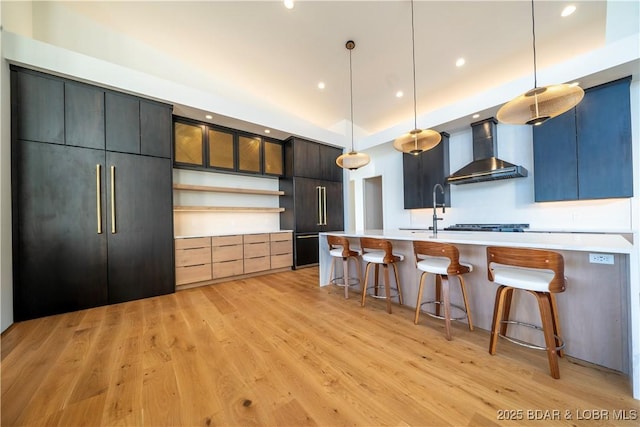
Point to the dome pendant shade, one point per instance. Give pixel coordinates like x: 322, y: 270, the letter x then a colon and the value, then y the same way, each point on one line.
x: 540, y: 104
x: 353, y: 160
x: 417, y: 141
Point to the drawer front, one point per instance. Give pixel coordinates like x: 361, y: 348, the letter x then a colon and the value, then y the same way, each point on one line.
x: 226, y: 240
x: 281, y: 237
x: 192, y: 274
x: 193, y: 242
x: 256, y: 238
x: 281, y: 261
x: 257, y: 264
x: 196, y: 256
x: 282, y: 247
x: 254, y: 250
x: 226, y: 269
x: 226, y: 253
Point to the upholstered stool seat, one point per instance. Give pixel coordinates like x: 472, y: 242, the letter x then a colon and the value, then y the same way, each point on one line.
x: 443, y: 261
x: 339, y: 248
x: 376, y: 253
x: 539, y: 272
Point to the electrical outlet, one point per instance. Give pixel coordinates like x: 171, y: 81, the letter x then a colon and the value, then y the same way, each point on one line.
x: 601, y: 258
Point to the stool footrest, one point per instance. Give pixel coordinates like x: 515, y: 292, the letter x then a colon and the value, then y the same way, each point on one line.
x: 339, y: 281
x: 525, y: 343
x: 393, y: 293
x: 442, y: 317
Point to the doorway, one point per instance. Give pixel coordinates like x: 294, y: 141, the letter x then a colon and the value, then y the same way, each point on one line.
x: 373, y: 212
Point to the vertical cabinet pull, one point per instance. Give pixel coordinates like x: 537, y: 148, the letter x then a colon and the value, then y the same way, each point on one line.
x: 98, y: 198
x: 319, y: 194
x: 324, y: 205
x: 113, y: 199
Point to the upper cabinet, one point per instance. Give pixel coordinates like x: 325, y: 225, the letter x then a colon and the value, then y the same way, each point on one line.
x: 207, y: 147
x: 585, y: 153
x: 422, y: 172
x: 312, y: 160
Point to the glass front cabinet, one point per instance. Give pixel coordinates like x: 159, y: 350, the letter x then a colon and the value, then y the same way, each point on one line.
x: 204, y: 146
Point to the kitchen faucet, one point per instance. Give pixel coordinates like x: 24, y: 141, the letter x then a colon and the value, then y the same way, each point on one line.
x: 436, y: 205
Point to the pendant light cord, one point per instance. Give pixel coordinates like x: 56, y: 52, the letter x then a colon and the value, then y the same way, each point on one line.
x: 351, y: 98
x: 533, y: 30
x: 413, y: 53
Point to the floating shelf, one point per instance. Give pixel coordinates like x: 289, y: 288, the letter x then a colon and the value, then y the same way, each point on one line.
x: 226, y: 209
x: 188, y: 187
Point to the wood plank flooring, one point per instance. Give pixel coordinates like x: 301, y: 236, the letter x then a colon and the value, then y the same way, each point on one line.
x: 279, y: 350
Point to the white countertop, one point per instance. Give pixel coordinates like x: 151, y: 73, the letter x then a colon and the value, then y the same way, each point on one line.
x: 588, y: 242
x: 231, y: 234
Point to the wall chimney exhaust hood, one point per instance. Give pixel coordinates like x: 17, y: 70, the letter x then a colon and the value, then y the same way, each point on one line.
x: 486, y: 166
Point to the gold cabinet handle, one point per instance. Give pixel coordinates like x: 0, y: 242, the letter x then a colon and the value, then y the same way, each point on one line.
x: 113, y: 199
x: 319, y: 191
x: 99, y: 198
x: 324, y: 205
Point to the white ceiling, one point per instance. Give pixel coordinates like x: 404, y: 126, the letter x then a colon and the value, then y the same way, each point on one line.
x: 271, y: 56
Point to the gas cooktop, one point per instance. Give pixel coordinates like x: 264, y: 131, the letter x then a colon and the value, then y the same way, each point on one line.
x: 487, y: 227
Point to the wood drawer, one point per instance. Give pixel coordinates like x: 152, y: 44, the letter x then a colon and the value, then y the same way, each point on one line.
x: 226, y: 253
x: 256, y: 238
x: 193, y: 242
x: 281, y: 237
x: 226, y: 240
x: 226, y: 269
x: 195, y: 256
x: 281, y: 261
x: 281, y: 247
x: 257, y: 264
x: 193, y: 273
x: 254, y: 250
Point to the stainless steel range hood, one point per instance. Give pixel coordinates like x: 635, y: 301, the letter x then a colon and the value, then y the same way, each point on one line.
x: 486, y: 166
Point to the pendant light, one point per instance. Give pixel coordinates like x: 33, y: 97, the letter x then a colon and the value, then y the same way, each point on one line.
x: 418, y: 140
x: 352, y: 160
x: 540, y: 103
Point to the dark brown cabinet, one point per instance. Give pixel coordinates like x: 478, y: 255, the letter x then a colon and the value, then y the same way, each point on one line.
x: 313, y: 199
x: 422, y: 172
x: 90, y: 226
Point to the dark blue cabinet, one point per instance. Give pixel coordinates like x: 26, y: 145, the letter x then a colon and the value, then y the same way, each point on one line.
x: 585, y: 153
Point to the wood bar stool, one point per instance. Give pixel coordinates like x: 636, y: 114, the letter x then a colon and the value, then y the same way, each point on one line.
x: 539, y: 272
x: 376, y: 252
x: 339, y: 248
x: 443, y: 261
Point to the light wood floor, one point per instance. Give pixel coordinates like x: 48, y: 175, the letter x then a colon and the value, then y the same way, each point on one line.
x: 279, y: 350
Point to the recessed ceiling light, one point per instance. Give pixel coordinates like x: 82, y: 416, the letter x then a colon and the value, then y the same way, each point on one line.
x: 460, y: 62
x: 399, y: 94
x: 475, y: 116
x: 321, y: 85
x: 267, y: 131
x: 568, y: 10
x: 208, y: 116
x: 288, y: 4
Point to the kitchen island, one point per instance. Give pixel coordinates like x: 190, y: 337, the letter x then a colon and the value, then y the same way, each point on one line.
x: 599, y: 311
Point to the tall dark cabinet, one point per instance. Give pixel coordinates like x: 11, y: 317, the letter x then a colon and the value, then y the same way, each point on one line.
x: 420, y: 173
x: 91, y: 195
x: 313, y: 199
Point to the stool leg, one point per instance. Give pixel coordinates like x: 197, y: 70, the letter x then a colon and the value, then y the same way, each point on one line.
x: 359, y: 270
x: 364, y: 286
x: 333, y: 263
x: 547, y: 326
x: 466, y: 302
x: 420, y: 289
x: 438, y: 291
x: 556, y: 322
x: 387, y: 287
x: 497, y: 317
x: 395, y: 272
x: 377, y: 281
x: 506, y: 310
x: 447, y: 306
x: 345, y: 273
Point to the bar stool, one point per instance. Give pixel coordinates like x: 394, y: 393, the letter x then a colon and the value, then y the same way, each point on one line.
x: 378, y: 252
x: 539, y: 272
x: 442, y: 260
x: 339, y: 248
